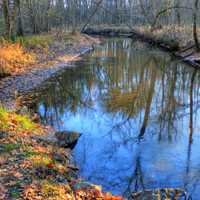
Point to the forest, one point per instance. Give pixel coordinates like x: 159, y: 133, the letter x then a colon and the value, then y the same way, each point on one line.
x: 21, y: 17
x: 99, y: 99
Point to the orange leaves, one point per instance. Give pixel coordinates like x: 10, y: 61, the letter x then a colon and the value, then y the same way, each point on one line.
x: 48, y: 191
x: 41, y: 149
x: 20, y: 125
x: 14, y: 59
x: 30, y: 192
x: 87, y: 191
x: 92, y: 193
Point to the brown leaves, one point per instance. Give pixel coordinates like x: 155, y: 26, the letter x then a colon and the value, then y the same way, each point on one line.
x: 48, y: 191
x: 2, y: 192
x: 92, y: 193
x: 31, y: 191
x: 35, y: 168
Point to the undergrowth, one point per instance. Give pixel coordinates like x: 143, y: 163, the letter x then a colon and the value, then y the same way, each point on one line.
x: 35, y: 41
x: 19, y: 124
x: 14, y: 58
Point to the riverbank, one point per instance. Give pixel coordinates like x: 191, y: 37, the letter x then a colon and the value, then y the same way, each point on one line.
x: 31, y: 165
x: 178, y: 44
x: 27, y: 77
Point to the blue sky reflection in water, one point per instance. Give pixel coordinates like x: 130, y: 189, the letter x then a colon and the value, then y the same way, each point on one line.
x: 138, y: 110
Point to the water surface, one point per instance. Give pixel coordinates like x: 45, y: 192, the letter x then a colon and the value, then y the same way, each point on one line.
x: 138, y: 110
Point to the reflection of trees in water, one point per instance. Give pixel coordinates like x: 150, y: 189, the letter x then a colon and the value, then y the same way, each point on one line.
x: 136, y: 180
x: 140, y: 87
x: 69, y: 91
x: 134, y: 83
x: 195, y: 179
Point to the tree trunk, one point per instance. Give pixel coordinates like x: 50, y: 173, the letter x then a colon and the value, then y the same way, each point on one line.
x: 178, y: 15
x: 20, y: 30
x: 195, y: 34
x: 6, y: 18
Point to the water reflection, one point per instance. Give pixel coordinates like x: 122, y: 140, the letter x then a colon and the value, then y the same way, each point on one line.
x: 138, y: 111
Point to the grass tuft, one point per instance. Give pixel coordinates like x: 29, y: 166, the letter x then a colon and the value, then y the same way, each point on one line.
x: 35, y: 41
x: 18, y: 124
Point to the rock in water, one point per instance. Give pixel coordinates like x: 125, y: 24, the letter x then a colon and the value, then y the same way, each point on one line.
x: 67, y: 139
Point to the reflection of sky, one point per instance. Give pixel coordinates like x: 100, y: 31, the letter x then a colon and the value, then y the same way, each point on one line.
x: 109, y: 153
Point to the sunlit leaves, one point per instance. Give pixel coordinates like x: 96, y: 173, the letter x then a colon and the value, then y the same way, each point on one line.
x: 14, y: 58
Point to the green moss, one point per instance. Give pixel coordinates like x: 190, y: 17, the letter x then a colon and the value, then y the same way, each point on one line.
x: 20, y: 122
x: 25, y: 122
x: 15, y: 190
x: 3, y: 118
x: 7, y: 148
x: 15, y: 194
x: 57, y: 191
x: 41, y: 160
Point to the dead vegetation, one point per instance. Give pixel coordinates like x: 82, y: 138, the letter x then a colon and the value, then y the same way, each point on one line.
x: 32, y: 52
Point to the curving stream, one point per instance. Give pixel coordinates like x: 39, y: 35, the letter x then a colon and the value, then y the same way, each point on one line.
x: 138, y: 110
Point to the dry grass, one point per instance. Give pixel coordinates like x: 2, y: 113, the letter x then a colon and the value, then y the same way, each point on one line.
x: 40, y: 51
x: 182, y: 34
x: 14, y: 58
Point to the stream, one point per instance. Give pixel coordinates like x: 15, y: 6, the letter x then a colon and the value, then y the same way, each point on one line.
x: 138, y: 110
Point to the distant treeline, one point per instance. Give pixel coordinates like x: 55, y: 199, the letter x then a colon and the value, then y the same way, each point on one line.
x: 19, y: 17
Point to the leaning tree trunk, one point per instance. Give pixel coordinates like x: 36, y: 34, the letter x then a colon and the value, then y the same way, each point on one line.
x: 195, y: 34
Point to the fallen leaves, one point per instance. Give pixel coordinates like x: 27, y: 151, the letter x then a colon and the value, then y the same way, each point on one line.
x: 48, y: 191
x: 92, y: 193
x: 31, y: 169
x: 20, y: 125
x: 2, y: 192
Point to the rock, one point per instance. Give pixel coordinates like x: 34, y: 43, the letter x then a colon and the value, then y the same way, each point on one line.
x: 67, y: 139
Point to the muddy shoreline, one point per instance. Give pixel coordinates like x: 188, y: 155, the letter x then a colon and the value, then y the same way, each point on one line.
x: 15, y: 86
x: 56, y: 146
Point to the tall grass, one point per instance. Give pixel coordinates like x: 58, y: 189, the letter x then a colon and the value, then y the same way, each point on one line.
x: 14, y: 58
